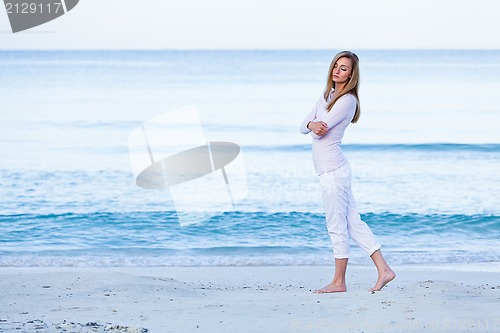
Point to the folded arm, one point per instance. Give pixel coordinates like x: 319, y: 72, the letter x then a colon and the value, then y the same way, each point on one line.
x: 310, y: 125
x: 304, y: 129
x: 342, y: 109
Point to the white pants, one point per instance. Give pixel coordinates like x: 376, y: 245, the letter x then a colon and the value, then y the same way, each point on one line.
x: 342, y: 217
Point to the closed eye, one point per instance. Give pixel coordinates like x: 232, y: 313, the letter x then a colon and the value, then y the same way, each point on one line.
x: 342, y: 68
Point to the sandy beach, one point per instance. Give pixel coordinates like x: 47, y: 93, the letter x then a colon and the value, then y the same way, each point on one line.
x: 244, y: 299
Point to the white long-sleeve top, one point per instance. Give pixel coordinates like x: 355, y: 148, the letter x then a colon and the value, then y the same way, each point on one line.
x: 327, y: 154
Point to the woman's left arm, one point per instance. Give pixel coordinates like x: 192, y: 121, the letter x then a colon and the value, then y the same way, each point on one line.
x: 344, y: 107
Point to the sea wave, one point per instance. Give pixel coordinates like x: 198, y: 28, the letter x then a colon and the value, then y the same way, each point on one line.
x: 236, y: 238
x: 397, y: 147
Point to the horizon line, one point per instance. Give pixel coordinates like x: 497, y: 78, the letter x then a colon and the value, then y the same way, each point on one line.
x: 250, y: 49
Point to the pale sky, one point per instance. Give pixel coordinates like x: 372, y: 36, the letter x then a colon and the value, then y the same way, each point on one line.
x: 265, y: 24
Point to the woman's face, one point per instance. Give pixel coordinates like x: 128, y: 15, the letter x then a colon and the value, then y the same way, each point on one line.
x: 342, y: 70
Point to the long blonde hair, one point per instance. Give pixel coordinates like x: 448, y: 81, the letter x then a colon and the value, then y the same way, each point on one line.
x: 352, y: 85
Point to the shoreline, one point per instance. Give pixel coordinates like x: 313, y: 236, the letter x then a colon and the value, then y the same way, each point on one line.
x: 483, y: 267
x: 243, y: 299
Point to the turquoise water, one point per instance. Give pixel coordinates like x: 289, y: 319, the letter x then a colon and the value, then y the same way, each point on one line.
x: 236, y: 238
x: 425, y: 157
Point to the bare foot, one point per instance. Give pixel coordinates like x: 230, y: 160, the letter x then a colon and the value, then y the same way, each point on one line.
x: 331, y: 288
x: 383, y: 279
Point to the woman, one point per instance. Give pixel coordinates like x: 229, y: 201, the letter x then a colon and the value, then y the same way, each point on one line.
x: 327, y: 122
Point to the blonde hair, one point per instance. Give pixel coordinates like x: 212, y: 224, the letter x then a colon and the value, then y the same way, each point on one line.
x: 352, y: 85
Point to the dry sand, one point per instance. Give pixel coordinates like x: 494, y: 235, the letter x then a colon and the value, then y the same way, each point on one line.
x: 245, y: 299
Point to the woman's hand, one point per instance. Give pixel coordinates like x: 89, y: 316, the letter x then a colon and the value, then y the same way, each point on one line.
x: 319, y: 128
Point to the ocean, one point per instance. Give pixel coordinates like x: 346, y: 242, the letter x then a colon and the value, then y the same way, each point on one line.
x: 425, y: 157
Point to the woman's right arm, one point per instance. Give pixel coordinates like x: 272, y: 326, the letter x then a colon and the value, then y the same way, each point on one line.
x: 310, y: 117
x: 304, y: 129
x: 318, y: 128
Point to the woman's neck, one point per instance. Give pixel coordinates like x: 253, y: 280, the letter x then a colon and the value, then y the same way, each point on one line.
x: 338, y: 88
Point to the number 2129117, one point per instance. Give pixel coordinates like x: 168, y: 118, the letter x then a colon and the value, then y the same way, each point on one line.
x: 33, y: 8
